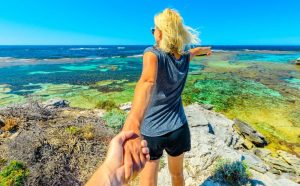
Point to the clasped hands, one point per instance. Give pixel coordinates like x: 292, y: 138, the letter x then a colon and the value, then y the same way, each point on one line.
x: 126, y: 156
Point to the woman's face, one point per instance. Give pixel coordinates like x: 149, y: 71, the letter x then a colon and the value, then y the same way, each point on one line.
x: 157, y: 35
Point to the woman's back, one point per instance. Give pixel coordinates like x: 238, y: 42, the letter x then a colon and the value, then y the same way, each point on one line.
x: 165, y: 111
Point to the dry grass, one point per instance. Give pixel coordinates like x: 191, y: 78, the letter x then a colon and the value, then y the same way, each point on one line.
x: 11, y: 124
x: 58, y: 149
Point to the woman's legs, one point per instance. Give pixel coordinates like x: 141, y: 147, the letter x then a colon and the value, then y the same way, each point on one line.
x: 176, y: 169
x: 148, y: 176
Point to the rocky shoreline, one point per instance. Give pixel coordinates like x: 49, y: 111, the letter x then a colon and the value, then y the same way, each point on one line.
x: 64, y: 145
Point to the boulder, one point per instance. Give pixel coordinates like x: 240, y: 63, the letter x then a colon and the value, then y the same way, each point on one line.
x: 56, y: 103
x: 249, y: 133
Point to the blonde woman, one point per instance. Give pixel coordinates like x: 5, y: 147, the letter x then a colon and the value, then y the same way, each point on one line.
x: 157, y: 113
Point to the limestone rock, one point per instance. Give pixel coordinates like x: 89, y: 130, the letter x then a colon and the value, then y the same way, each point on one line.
x: 261, y: 152
x: 255, y: 162
x: 248, y: 144
x: 249, y: 133
x: 290, y: 159
x: 56, y: 103
x: 125, y: 106
x: 279, y: 164
x: 207, y: 106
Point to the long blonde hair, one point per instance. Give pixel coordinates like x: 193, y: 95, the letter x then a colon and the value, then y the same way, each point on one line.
x: 175, y: 35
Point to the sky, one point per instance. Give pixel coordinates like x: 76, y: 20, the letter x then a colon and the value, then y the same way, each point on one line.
x: 119, y: 22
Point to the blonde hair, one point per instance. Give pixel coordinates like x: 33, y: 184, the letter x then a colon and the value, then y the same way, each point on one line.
x: 175, y: 35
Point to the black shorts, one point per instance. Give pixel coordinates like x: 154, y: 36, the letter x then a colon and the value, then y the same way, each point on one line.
x: 175, y: 142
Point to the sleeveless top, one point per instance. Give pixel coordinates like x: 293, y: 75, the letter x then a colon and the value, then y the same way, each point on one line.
x: 165, y: 111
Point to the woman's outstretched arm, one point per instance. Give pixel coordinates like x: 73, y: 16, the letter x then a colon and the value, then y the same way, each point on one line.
x: 199, y: 51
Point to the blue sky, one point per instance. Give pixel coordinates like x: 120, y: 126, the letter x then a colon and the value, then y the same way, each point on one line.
x: 223, y: 22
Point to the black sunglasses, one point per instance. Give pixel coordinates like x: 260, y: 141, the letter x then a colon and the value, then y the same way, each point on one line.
x: 152, y: 30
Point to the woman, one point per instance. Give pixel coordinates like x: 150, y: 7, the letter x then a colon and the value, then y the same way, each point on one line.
x: 157, y: 113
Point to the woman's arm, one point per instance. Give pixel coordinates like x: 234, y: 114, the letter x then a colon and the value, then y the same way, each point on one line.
x: 199, y: 51
x: 141, y: 100
x: 142, y: 93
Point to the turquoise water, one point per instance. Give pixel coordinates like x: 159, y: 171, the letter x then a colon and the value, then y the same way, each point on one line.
x: 267, y: 57
x: 24, y: 73
x: 293, y: 82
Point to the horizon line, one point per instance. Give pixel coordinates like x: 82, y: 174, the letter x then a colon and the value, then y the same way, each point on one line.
x: 145, y: 45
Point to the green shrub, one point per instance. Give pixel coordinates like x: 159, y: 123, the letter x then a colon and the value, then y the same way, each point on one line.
x: 13, y: 174
x: 106, y: 104
x: 73, y: 130
x: 115, y: 118
x: 2, y: 162
x: 231, y: 173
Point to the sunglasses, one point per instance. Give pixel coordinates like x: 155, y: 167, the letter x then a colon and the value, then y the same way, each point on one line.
x: 152, y: 30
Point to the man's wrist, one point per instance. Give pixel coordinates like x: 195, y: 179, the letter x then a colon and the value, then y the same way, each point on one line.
x: 103, y: 176
x: 109, y: 174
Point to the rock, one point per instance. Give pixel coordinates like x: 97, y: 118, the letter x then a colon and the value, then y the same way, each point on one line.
x: 199, y: 121
x: 261, y: 152
x: 255, y: 162
x: 2, y: 122
x: 275, y: 171
x: 249, y: 133
x: 215, y: 123
x: 248, y: 144
x: 290, y: 159
x: 279, y: 164
x: 56, y: 103
x: 294, y: 177
x: 207, y: 106
x: 125, y: 106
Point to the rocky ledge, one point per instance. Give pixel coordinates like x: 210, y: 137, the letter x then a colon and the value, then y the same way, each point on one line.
x: 215, y: 136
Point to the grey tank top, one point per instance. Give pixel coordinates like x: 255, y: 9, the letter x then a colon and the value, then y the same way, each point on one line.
x: 165, y: 111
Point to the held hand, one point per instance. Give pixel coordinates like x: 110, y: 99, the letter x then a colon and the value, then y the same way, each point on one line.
x: 134, y: 158
x: 115, y: 155
x: 112, y: 171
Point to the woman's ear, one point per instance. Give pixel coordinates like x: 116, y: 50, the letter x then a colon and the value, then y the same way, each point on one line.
x: 159, y: 34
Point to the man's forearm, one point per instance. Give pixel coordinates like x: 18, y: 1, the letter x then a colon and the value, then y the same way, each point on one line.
x: 103, y: 177
x: 142, y: 97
